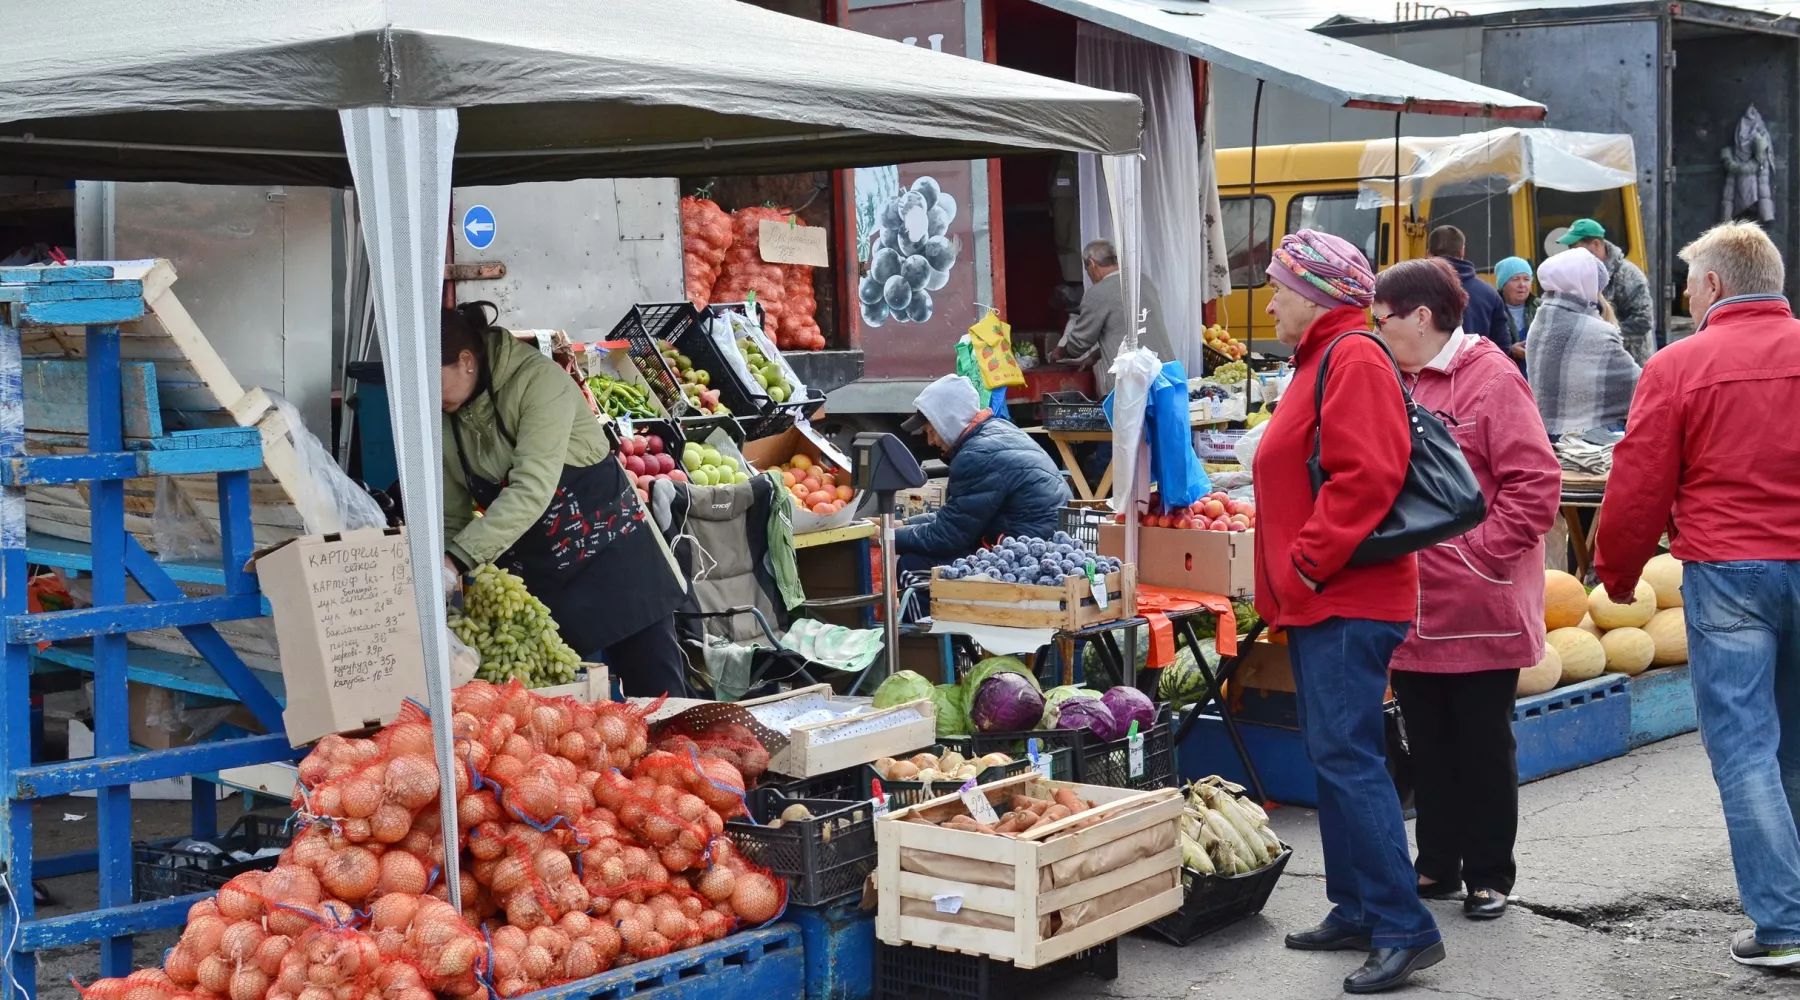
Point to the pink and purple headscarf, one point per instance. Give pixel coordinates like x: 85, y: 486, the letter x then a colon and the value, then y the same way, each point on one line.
x: 1324, y: 269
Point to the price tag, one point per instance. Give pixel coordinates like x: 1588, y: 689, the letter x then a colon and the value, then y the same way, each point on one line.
x: 879, y: 800
x: 980, y: 809
x: 545, y: 342
x: 947, y: 903
x: 1040, y: 762
x: 625, y: 430
x: 1097, y: 584
x: 1134, y: 743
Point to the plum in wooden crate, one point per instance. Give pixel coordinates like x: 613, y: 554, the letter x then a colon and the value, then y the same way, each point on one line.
x: 1070, y: 607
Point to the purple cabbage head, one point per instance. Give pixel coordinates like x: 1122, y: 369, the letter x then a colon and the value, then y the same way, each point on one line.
x: 1128, y: 704
x: 1091, y: 713
x: 1006, y: 703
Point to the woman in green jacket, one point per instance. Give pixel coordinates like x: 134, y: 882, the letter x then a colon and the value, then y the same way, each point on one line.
x: 523, y: 449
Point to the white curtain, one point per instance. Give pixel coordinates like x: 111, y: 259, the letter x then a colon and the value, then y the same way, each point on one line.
x: 1215, y: 273
x: 1176, y: 258
x: 400, y: 159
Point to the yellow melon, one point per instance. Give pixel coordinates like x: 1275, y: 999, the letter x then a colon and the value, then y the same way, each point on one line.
x: 1663, y: 574
x: 1541, y: 676
x: 1565, y: 600
x: 1583, y: 658
x: 1668, y: 630
x: 1587, y: 625
x: 1610, y: 616
x: 1628, y: 651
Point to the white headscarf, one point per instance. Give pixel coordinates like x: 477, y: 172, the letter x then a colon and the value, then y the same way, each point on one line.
x: 949, y: 404
x: 1573, y: 272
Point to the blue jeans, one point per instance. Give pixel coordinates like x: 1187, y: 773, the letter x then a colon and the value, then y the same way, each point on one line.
x: 1743, y: 626
x: 1341, y: 677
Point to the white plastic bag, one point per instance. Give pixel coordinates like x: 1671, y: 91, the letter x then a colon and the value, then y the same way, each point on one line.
x: 328, y: 499
x: 1246, y: 445
x: 179, y: 531
x: 1133, y: 371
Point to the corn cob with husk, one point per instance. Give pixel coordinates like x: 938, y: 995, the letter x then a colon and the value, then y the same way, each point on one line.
x: 1224, y: 834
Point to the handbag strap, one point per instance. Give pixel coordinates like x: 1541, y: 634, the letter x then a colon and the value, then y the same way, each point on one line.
x: 1325, y: 369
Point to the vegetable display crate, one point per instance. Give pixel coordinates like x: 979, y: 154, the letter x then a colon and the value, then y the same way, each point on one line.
x: 824, y: 858
x: 816, y: 748
x: 1072, y: 411
x: 642, y: 326
x: 1110, y: 763
x: 1082, y: 520
x: 907, y: 973
x: 1662, y: 705
x: 763, y: 963
x: 909, y: 793
x: 1278, y: 752
x: 751, y: 406
x: 1001, y: 906
x: 1070, y: 607
x: 1574, y: 726
x: 1217, y: 901
x: 840, y: 949
x: 1063, y: 746
x: 840, y: 785
x: 162, y: 870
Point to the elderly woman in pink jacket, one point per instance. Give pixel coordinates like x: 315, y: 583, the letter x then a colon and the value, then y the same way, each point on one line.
x: 1481, y: 596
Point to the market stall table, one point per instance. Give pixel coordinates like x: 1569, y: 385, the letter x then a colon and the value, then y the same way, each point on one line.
x: 1062, y: 440
x: 1581, y: 491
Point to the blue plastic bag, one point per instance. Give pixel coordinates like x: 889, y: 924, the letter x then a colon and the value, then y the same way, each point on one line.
x: 997, y: 403
x: 1179, y: 476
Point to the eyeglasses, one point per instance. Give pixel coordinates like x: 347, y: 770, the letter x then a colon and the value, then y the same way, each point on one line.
x: 1381, y: 321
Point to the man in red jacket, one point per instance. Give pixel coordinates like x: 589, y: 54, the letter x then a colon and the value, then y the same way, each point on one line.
x: 1706, y: 454
x: 1343, y: 622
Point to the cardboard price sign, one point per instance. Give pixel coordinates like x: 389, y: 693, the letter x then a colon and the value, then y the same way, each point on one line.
x: 786, y: 243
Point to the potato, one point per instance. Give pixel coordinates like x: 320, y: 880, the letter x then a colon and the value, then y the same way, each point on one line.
x: 903, y: 770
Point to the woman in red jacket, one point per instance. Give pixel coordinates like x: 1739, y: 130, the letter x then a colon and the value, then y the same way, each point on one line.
x: 1343, y: 622
x: 1481, y: 596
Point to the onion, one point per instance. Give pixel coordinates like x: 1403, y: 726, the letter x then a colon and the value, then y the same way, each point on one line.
x: 519, y: 747
x: 678, y: 859
x: 413, y: 781
x: 182, y: 966
x: 510, y: 874
x: 505, y: 770
x: 457, y: 957
x: 582, y: 961
x: 713, y: 925
x: 390, y: 823
x: 291, y: 919
x: 241, y: 939
x: 314, y: 765
x: 240, y: 898
x: 511, y: 937
x: 401, y: 872
x: 571, y: 895
x: 524, y: 910
x: 613, y: 731
x: 575, y: 924
x: 536, y: 962
x: 418, y: 842
x: 357, y: 831
x: 329, y: 801
x: 606, y: 942
x: 653, y: 945
x: 214, y: 974
x: 534, y: 795
x: 271, y: 951
x: 755, y: 898
x: 407, y: 738
x: 360, y: 797
x: 248, y: 983
x: 572, y: 746
x: 336, y: 913
x: 203, y: 935
x: 204, y: 908
x: 553, y: 866
x: 673, y: 924
x: 351, y: 874
x: 506, y: 963
x: 309, y: 850
x: 550, y: 722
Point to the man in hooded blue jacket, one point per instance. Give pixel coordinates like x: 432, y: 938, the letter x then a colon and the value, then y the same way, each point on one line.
x: 1485, y: 315
x: 1002, y: 484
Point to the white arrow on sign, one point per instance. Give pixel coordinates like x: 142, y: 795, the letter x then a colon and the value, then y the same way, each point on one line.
x: 477, y: 227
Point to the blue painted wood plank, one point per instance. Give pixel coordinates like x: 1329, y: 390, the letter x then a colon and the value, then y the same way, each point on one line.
x: 122, y: 769
x: 72, y: 863
x: 69, y: 291
x: 211, y: 437
x: 133, y: 918
x: 198, y: 461
x: 1662, y: 705
x: 56, y: 398
x: 76, y: 556
x: 158, y: 668
x: 204, y: 638
x: 87, y: 312
x: 117, y: 619
x: 44, y: 273
x: 764, y: 963
x: 237, y: 538
x: 47, y: 470
x: 15, y: 666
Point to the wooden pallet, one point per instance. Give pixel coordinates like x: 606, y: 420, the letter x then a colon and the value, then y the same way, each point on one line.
x: 176, y: 387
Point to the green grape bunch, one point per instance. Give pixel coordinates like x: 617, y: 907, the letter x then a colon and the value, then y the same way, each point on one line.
x: 512, y: 631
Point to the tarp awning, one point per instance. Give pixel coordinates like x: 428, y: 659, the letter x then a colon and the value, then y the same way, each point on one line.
x: 1510, y: 157
x: 1331, y: 70
x: 213, y: 90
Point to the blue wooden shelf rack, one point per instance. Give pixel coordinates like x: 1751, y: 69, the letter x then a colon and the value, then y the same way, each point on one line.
x: 111, y: 410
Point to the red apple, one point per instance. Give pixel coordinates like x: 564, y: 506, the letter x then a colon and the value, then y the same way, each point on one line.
x: 643, y: 497
x: 635, y: 464
x: 679, y: 476
x: 1213, y: 509
x: 1184, y: 521
x: 1119, y: 518
x: 665, y: 461
x: 1220, y: 524
x: 654, y: 443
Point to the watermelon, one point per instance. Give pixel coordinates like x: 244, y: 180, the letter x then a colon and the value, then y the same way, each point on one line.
x: 1181, y: 683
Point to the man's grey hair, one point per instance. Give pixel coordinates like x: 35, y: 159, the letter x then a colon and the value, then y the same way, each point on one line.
x: 1100, y: 253
x: 1743, y: 257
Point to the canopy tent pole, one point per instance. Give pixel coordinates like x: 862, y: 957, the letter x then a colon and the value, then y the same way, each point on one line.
x: 1394, y: 243
x: 1123, y: 180
x: 1250, y: 282
x: 400, y: 159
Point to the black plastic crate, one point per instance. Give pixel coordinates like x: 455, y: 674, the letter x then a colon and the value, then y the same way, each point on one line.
x: 1082, y: 520
x: 904, y: 972
x: 1109, y: 764
x: 743, y: 399
x: 840, y: 785
x: 907, y: 793
x: 1063, y: 766
x: 642, y: 327
x: 161, y: 870
x: 824, y: 858
x: 1211, y: 902
x: 1072, y: 411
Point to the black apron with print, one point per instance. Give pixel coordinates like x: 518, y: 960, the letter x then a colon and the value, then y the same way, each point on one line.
x: 592, y: 558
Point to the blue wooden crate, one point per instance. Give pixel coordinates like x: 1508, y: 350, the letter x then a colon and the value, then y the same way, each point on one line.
x: 1278, y: 752
x: 840, y: 950
x: 1574, y: 726
x: 765, y: 963
x: 1662, y: 705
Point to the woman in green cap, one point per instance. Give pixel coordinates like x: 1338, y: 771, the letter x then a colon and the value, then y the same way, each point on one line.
x: 1513, y: 277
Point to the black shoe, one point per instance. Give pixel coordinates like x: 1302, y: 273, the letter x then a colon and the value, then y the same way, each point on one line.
x: 1439, y: 890
x: 1327, y: 937
x: 1387, y: 968
x: 1484, y: 904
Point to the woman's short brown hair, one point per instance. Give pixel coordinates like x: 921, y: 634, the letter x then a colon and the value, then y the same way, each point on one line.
x: 1429, y: 282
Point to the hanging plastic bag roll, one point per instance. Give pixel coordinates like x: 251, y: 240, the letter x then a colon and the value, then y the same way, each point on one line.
x: 1133, y: 372
x: 328, y: 499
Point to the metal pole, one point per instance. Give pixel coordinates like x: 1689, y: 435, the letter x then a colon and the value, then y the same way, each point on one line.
x: 1250, y: 283
x: 1394, y: 241
x: 890, y: 615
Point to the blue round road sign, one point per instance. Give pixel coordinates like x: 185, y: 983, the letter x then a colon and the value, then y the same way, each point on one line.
x: 478, y: 227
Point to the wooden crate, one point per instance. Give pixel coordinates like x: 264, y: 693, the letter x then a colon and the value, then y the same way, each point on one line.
x: 1126, y: 812
x: 1069, y: 607
x: 822, y: 747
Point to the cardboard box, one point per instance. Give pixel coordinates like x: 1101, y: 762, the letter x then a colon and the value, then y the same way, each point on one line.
x: 802, y: 439
x: 161, y: 718
x: 349, y: 631
x: 1211, y: 562
x: 1265, y: 666
x: 176, y: 789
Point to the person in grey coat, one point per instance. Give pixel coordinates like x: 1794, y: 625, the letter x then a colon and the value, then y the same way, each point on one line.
x: 1626, y: 287
x: 1576, y: 362
x: 1096, y: 334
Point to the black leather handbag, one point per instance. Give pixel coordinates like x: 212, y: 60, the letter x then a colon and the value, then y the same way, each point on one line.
x: 1441, y: 498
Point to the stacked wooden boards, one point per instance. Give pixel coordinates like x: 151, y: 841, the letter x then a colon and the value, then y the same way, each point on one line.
x: 175, y: 384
